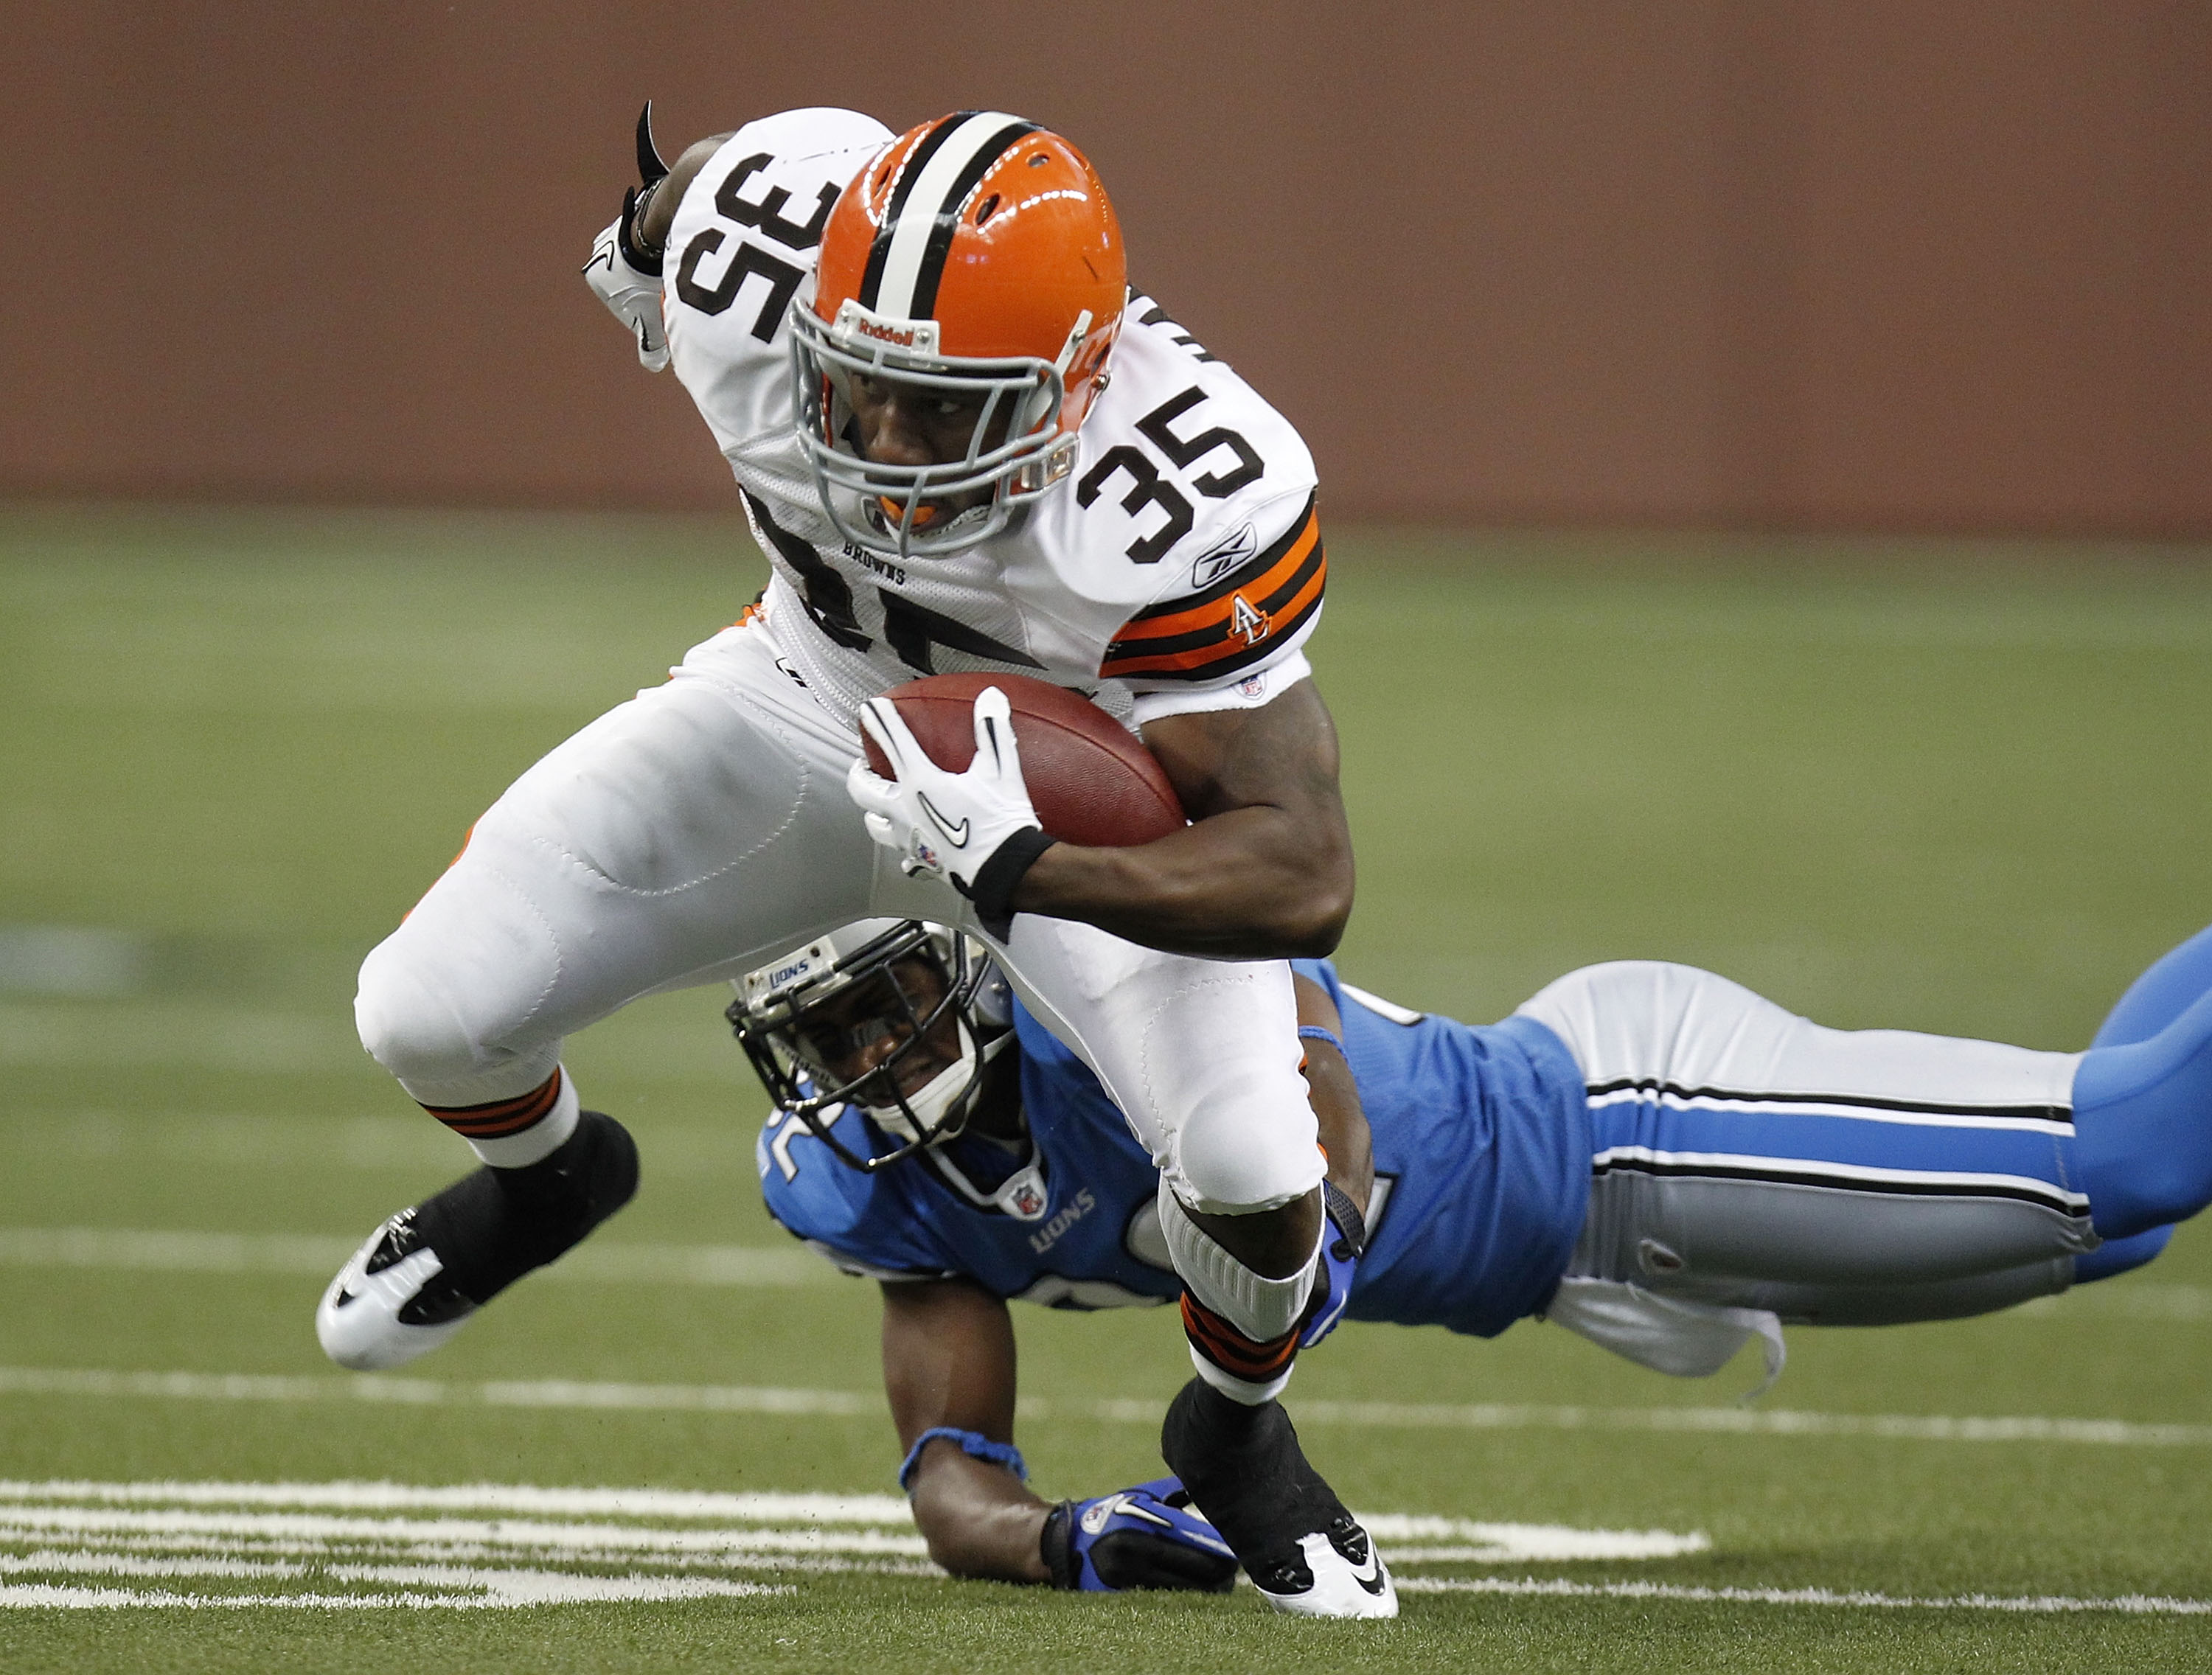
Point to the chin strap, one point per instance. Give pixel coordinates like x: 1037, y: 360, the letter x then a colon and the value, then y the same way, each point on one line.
x: 924, y: 1110
x: 1023, y: 1195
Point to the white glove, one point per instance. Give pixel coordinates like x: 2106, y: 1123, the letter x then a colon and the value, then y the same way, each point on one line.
x: 632, y: 296
x: 975, y: 829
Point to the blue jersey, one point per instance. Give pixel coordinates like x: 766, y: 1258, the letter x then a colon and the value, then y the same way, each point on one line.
x: 1482, y: 1157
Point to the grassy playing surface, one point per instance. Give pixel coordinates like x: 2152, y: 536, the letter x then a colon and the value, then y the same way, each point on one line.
x: 1922, y: 786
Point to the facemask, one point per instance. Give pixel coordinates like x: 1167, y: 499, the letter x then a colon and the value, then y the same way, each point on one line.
x: 931, y: 1103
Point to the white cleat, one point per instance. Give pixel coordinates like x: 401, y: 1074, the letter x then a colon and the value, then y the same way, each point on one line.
x: 387, y: 1304
x: 1342, y: 1575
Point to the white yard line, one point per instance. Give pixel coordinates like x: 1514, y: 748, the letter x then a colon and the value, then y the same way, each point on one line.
x: 2135, y: 1604
x: 847, y: 1404
x: 145, y: 1251
x: 28, y: 1510
x: 762, y: 1508
x: 42, y: 1522
x: 165, y: 1251
x: 168, y: 1532
x: 1757, y: 1422
x: 378, y: 1387
x: 70, y: 1531
x: 499, y: 1591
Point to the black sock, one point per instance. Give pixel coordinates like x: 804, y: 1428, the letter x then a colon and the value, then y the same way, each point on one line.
x: 492, y: 1227
x: 1245, y: 1470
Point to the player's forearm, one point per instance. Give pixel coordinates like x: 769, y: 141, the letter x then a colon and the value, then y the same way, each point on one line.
x: 1249, y: 884
x: 977, y: 1519
x: 1342, y: 1120
x: 657, y: 212
x: 1343, y: 1126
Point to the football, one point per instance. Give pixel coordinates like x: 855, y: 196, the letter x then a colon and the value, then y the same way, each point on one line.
x: 1091, y: 780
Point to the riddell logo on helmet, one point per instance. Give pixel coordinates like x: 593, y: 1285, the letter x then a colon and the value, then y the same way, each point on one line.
x: 904, y: 336
x: 855, y: 320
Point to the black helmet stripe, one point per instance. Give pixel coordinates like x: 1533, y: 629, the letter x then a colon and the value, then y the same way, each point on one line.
x: 931, y: 271
x: 872, y: 279
x: 907, y: 260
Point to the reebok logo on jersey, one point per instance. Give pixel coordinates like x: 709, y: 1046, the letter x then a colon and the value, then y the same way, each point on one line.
x: 1048, y: 1235
x: 1211, y: 566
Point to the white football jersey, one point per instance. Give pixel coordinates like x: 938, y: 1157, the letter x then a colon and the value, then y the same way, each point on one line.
x: 1178, y: 567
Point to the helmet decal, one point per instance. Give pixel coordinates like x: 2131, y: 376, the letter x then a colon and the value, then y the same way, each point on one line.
x: 906, y: 261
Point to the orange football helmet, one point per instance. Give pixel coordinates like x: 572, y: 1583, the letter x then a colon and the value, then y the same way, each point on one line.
x: 977, y: 255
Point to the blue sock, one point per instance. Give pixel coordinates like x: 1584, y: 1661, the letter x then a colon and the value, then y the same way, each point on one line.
x: 2155, y: 1001
x: 2142, y: 1123
x: 2174, y: 984
x: 2117, y: 1256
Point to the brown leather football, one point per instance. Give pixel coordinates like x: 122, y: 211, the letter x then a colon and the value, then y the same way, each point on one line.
x: 1091, y: 780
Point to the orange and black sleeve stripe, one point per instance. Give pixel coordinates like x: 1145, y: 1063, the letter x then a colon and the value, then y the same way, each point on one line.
x: 1236, y: 623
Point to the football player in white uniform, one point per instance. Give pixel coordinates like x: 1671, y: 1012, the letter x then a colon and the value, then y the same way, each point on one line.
x: 964, y: 445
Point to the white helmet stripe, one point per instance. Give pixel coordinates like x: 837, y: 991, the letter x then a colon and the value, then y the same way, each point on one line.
x: 951, y: 167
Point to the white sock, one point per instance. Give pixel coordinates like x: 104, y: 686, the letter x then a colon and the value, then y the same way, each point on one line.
x: 538, y: 1141
x: 1261, y: 1308
x: 1237, y: 1389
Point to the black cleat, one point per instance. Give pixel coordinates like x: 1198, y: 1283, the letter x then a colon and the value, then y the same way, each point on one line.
x: 1242, y: 1465
x: 419, y: 1277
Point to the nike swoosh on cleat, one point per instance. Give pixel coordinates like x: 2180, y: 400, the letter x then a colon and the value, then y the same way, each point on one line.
x: 955, y: 836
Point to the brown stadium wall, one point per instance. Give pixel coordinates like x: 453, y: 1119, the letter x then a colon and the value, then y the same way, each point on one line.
x: 1870, y: 264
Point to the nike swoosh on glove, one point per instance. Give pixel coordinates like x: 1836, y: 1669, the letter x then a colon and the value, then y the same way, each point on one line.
x: 632, y: 295
x: 976, y: 829
x: 1146, y: 1537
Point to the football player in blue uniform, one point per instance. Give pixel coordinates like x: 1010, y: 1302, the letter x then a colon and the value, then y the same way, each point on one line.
x: 1649, y: 1155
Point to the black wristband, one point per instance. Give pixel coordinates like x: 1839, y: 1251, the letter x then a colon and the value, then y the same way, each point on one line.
x: 996, y: 880
x: 1056, y: 1544
x: 644, y: 261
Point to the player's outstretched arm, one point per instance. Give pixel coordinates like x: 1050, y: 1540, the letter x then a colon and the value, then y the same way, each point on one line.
x: 1263, y: 873
x: 625, y: 269
x: 1345, y: 1136
x: 948, y: 1368
x: 949, y: 1365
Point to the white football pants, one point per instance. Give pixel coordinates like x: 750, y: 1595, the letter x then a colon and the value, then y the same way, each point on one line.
x: 691, y: 834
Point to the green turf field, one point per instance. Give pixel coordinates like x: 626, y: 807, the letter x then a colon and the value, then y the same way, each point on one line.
x: 1955, y: 789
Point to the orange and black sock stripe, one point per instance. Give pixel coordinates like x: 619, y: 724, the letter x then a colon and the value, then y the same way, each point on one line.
x: 1231, y: 1350
x: 502, y: 1117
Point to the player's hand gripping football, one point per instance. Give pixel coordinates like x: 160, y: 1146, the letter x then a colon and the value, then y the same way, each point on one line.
x: 624, y: 275
x: 976, y: 828
x: 1146, y: 1537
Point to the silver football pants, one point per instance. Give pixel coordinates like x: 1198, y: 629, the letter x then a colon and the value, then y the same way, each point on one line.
x: 1745, y: 1159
